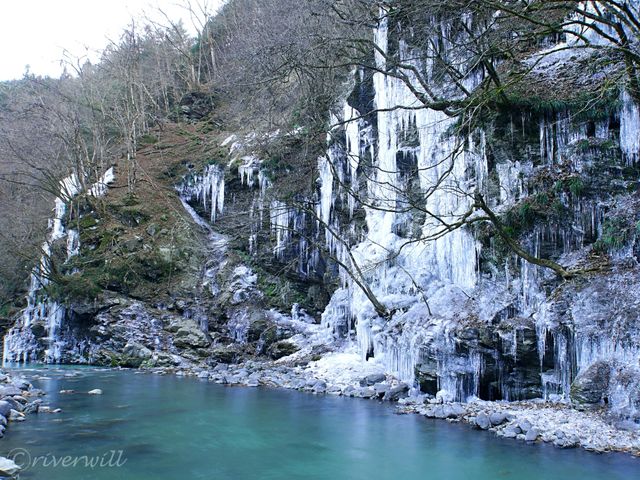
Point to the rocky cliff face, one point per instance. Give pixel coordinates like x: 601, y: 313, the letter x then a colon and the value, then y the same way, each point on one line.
x: 281, y: 245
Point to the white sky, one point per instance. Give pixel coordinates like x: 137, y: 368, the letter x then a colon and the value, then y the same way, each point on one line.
x: 37, y: 32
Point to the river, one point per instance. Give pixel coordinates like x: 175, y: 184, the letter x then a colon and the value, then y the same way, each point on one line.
x: 147, y: 426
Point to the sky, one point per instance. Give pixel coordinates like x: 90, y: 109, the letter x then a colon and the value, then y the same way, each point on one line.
x: 38, y: 32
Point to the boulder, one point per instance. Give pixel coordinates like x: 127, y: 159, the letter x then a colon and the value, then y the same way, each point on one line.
x: 134, y: 349
x: 525, y: 425
x: 9, y: 391
x: 568, y: 441
x: 14, y: 404
x: 511, y: 431
x: 32, y: 407
x: 21, y: 383
x: 349, y: 391
x: 454, y: 410
x: 381, y: 389
x: 437, y: 412
x: 443, y: 396
x: 282, y: 349
x: 445, y: 411
x: 396, y: 393
x: 372, y: 379
x: 5, y: 408
x: 15, y: 416
x: 591, y: 385
x: 532, y: 435
x: 365, y: 392
x: 8, y: 468
x: 319, y: 387
x: 334, y: 390
x: 190, y: 336
x: 482, y: 421
x: 497, y: 418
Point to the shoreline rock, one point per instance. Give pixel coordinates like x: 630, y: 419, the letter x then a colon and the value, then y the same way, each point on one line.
x: 18, y: 398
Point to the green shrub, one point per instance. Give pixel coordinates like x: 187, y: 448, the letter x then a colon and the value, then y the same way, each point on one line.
x: 615, y: 234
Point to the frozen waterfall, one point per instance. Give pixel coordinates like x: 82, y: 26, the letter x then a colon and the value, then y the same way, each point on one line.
x: 20, y: 344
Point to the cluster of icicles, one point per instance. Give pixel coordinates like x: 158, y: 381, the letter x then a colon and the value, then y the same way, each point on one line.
x: 20, y: 344
x: 444, y: 272
x: 424, y: 282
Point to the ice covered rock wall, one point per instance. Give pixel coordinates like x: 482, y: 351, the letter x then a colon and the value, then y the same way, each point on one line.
x: 42, y: 312
x: 470, y: 329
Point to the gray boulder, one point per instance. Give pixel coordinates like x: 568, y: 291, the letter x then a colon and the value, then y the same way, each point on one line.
x: 497, y: 418
x: 381, y: 389
x: 319, y: 387
x: 455, y: 410
x: 396, y: 393
x: 511, y: 431
x: 334, y: 390
x: 568, y: 441
x: 372, y: 379
x: 525, y: 425
x: 190, y: 336
x: 31, y: 407
x: 14, y: 404
x: 21, y: 383
x: 532, y: 435
x: 9, y: 391
x: 134, y: 349
x: 482, y: 421
x: 591, y: 385
x: 15, y: 416
x: 5, y: 408
x: 349, y: 391
x: 364, y: 392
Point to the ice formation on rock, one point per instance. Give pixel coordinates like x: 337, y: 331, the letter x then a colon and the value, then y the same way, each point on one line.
x: 20, y: 344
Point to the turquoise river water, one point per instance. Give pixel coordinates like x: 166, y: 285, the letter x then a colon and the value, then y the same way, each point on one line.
x: 154, y: 427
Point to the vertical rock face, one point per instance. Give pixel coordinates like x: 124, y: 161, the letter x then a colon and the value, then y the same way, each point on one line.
x: 37, y: 334
x: 467, y: 315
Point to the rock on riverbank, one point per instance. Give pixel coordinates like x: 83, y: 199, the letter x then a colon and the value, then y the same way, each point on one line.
x: 17, y: 399
x: 538, y: 421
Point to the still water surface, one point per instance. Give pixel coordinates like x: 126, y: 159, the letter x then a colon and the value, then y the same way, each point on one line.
x: 149, y: 427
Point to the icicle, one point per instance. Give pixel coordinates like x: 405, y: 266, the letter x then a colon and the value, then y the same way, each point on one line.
x: 629, y: 129
x: 280, y: 216
x: 248, y: 170
x: 208, y: 189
